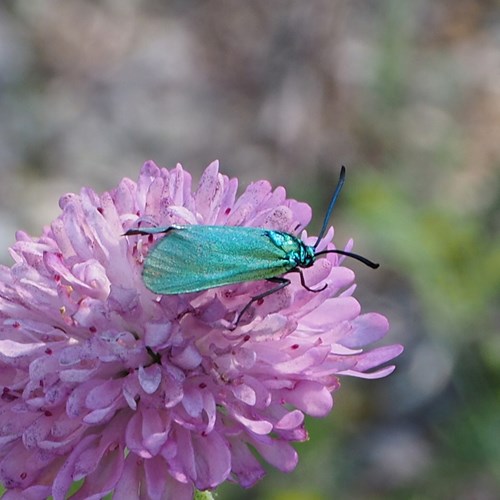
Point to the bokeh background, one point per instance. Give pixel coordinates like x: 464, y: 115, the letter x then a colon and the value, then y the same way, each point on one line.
x: 405, y: 93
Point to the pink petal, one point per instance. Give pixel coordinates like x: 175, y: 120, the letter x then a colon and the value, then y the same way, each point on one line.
x: 156, y: 479
x: 150, y: 378
x: 246, y: 467
x: 368, y: 328
x: 256, y: 426
x: 213, y: 460
x: 291, y: 420
x: 129, y: 482
x: 278, y: 453
x: 310, y: 397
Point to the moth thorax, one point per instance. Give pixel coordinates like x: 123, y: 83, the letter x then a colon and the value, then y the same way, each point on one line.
x: 306, y: 256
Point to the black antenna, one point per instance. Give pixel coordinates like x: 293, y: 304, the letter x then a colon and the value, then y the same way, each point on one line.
x: 336, y: 193
x: 330, y: 206
x: 356, y: 256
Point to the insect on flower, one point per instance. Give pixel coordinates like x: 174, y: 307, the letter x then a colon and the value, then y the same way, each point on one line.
x: 198, y: 257
x: 98, y: 377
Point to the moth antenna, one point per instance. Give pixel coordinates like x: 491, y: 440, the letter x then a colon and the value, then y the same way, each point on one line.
x: 356, y: 256
x: 328, y: 214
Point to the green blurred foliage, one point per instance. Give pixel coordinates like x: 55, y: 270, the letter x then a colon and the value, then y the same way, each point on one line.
x: 452, y: 260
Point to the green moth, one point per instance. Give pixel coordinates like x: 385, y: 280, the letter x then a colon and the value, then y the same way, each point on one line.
x: 197, y: 257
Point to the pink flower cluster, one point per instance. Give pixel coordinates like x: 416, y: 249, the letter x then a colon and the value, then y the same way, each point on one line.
x: 153, y: 396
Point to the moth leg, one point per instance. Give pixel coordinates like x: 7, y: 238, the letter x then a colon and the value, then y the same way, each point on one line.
x: 149, y: 230
x: 303, y: 283
x: 283, y: 282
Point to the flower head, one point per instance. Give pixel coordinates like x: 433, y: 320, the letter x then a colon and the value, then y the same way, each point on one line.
x: 153, y: 396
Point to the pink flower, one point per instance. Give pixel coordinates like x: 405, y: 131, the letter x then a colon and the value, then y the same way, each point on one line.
x: 153, y: 396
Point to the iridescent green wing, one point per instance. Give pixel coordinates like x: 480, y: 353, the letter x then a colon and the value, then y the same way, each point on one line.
x: 194, y: 258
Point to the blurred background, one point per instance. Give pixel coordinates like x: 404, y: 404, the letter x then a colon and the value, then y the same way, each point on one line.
x: 405, y: 93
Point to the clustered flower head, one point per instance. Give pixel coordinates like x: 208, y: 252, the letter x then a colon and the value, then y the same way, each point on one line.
x: 154, y: 396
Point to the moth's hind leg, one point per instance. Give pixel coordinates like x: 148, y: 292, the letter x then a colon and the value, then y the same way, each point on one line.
x: 283, y: 282
x: 149, y: 230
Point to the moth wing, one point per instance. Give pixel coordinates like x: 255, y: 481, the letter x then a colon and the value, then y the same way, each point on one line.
x: 194, y: 258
